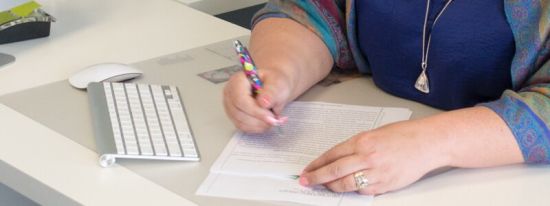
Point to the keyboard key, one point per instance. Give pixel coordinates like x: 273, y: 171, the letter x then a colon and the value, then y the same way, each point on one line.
x: 160, y: 150
x: 190, y: 153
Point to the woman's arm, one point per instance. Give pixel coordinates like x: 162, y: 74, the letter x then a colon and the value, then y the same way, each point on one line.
x: 290, y: 59
x: 294, y: 44
x: 526, y: 108
x: 396, y: 155
x: 475, y: 137
x: 292, y: 49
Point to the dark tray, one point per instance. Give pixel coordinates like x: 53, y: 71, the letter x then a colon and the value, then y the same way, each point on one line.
x: 26, y: 28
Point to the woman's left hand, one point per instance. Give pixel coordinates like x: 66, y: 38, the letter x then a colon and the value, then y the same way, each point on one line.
x: 390, y: 157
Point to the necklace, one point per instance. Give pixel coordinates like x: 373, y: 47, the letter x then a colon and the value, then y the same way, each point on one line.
x: 422, y: 82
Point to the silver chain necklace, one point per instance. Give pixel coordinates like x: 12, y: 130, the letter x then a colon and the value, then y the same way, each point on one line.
x: 422, y: 82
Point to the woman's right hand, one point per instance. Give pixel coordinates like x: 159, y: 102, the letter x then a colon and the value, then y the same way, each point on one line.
x: 290, y: 59
x: 253, y: 114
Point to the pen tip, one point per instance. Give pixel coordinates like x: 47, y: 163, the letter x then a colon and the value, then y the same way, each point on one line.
x: 238, y: 46
x: 237, y: 43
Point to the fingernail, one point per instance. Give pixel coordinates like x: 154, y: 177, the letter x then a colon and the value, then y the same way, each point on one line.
x: 283, y: 120
x: 303, y: 181
x: 272, y: 121
x: 264, y: 101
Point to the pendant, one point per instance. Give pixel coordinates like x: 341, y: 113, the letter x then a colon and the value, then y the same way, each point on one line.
x: 422, y: 83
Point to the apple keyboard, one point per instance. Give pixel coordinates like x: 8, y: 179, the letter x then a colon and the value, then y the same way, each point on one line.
x: 140, y: 121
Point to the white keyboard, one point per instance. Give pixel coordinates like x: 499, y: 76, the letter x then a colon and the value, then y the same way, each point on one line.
x: 140, y: 121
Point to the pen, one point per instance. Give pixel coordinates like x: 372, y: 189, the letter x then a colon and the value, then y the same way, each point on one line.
x: 250, y: 70
x: 249, y: 67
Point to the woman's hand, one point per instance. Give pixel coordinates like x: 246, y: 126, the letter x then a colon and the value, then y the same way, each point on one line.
x: 290, y: 59
x: 251, y: 114
x: 396, y: 155
x: 390, y: 157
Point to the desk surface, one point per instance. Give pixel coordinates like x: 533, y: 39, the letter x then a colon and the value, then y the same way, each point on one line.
x: 61, y: 125
x: 93, y: 31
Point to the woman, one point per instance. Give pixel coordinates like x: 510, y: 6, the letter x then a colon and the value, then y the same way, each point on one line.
x: 484, y: 61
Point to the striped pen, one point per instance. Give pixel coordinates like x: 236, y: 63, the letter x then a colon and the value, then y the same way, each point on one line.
x: 249, y: 69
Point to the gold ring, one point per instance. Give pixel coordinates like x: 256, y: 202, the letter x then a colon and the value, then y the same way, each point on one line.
x: 360, y: 180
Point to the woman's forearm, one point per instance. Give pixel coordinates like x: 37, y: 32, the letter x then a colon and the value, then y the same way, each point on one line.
x: 475, y: 137
x: 292, y: 49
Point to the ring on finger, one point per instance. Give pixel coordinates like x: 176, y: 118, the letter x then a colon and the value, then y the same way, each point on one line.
x: 361, y: 180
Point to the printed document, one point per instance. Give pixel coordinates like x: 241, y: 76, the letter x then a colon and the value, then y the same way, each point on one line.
x: 265, y: 166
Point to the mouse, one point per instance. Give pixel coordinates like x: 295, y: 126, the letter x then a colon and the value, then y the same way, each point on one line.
x: 105, y: 72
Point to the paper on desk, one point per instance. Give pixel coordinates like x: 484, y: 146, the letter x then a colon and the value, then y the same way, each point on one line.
x: 312, y: 129
x: 221, y: 75
x: 272, y: 189
x: 224, y: 50
x: 261, y: 163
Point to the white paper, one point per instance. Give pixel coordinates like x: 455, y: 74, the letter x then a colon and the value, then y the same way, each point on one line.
x: 224, y: 50
x: 312, y: 129
x: 279, y: 190
x: 261, y: 164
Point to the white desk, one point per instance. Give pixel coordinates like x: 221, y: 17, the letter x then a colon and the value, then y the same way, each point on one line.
x: 89, y: 32
x: 93, y: 31
x: 26, y: 167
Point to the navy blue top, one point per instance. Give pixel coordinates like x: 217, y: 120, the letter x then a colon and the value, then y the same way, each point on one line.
x: 470, y: 54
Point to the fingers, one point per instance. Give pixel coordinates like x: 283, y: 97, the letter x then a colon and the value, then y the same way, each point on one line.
x: 275, y: 92
x: 245, y: 122
x: 252, y: 112
x: 343, y: 149
x: 374, y: 189
x: 335, y: 170
x: 243, y: 109
x: 348, y: 184
x: 376, y: 183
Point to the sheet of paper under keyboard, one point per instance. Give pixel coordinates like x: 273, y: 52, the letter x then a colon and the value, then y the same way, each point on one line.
x: 260, y: 165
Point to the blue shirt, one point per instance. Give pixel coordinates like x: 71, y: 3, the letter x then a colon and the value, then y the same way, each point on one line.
x: 470, y: 54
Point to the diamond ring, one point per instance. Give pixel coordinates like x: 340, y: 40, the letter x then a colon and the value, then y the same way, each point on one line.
x: 360, y: 180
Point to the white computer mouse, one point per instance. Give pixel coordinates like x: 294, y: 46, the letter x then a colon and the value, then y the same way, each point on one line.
x: 106, y: 72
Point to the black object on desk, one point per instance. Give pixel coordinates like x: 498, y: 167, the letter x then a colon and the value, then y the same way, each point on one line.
x: 32, y: 27
x: 241, y: 17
